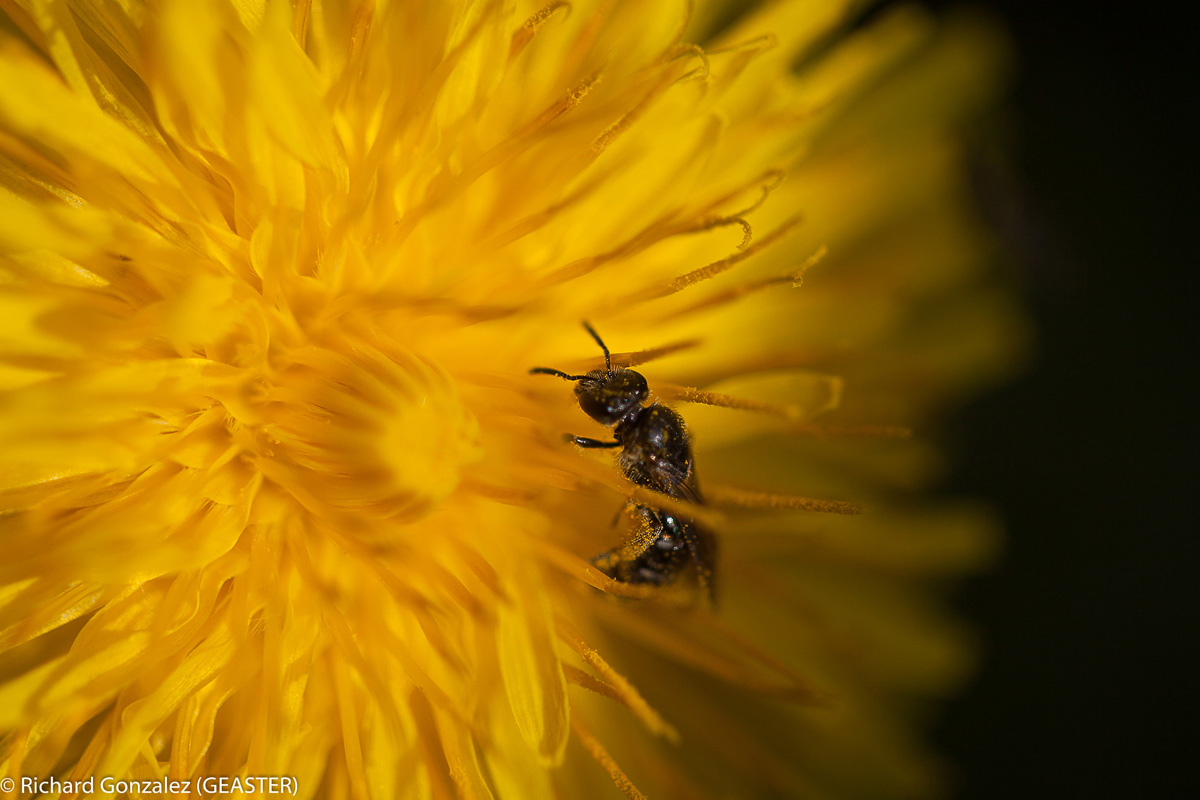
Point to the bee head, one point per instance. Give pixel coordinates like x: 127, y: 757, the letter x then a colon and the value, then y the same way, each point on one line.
x: 607, y: 396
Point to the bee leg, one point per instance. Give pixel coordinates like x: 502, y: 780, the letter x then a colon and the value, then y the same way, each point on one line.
x: 632, y: 509
x: 622, y: 563
x: 583, y: 441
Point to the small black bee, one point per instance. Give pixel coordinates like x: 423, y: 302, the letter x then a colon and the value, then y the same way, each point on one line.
x: 656, y: 453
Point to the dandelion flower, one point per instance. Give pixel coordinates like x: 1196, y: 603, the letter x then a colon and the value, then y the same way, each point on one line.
x: 278, y: 494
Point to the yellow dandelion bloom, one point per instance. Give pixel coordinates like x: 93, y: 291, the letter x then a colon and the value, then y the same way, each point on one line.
x: 279, y: 496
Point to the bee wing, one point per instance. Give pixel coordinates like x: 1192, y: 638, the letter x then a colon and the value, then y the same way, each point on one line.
x: 702, y: 546
x: 700, y: 543
x: 677, y: 482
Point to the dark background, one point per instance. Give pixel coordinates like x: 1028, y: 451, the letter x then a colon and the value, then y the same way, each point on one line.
x: 1084, y: 690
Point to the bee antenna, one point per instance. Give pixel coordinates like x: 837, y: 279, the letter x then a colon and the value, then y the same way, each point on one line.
x: 556, y: 373
x: 599, y: 341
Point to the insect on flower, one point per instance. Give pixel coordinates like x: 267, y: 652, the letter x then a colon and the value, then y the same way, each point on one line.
x: 656, y: 453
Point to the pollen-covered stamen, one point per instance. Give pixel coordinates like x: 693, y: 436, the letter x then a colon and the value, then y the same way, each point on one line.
x: 682, y: 222
x: 793, y: 278
x: 770, y: 181
x: 524, y: 35
x: 651, y: 234
x: 597, y: 751
x: 616, y: 683
x: 717, y: 267
x: 668, y: 79
x: 821, y: 393
x: 707, y: 218
x: 636, y: 357
x: 712, y: 222
x: 710, y: 270
x: 726, y: 495
x: 689, y: 394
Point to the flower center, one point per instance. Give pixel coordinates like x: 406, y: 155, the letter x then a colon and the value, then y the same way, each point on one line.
x: 381, y: 434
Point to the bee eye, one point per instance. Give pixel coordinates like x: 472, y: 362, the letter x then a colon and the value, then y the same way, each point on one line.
x: 602, y: 403
x: 628, y: 383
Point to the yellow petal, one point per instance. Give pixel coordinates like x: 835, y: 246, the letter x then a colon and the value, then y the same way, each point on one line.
x: 533, y: 677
